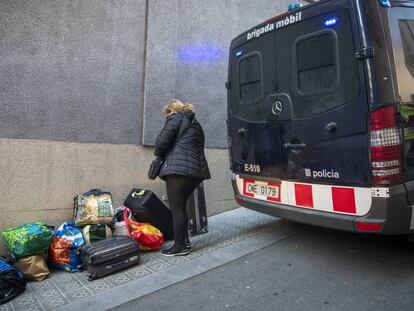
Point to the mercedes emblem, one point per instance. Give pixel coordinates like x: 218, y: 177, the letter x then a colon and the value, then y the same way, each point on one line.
x: 277, y: 108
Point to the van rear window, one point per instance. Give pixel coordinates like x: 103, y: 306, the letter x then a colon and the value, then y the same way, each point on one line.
x: 407, y: 37
x: 316, y: 63
x: 402, y: 33
x: 250, y: 79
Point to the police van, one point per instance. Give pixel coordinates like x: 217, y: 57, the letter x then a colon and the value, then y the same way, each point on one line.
x: 321, y: 115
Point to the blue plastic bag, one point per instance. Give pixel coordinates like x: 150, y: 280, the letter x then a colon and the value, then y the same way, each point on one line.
x: 63, y: 254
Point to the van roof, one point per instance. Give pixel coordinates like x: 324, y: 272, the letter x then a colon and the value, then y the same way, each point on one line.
x: 393, y: 3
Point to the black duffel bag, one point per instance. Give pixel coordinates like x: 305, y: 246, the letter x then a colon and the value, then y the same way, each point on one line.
x: 12, y: 282
x: 147, y: 207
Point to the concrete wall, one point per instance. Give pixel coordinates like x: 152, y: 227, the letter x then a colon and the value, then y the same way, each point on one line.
x: 187, y: 57
x: 38, y: 179
x: 82, y: 84
x: 72, y: 70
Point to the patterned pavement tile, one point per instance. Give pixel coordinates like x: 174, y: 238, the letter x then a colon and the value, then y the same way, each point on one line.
x: 54, y: 302
x: 174, y: 260
x: 78, y: 294
x: 25, y: 299
x: 68, y: 286
x: 83, y: 278
x: 99, y: 286
x: 139, y: 272
x: 32, y: 307
x: 146, y: 259
x: 194, y: 254
x: 35, y: 286
x: 150, y: 261
x: 118, y: 279
x: 236, y: 239
x: 248, y: 234
x: 6, y: 307
x: 224, y: 243
x: 156, y: 265
x: 47, y: 292
x: 156, y: 255
x: 209, y: 249
x: 64, y: 277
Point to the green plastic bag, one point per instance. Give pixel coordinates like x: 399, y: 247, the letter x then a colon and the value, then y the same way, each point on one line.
x: 28, y: 240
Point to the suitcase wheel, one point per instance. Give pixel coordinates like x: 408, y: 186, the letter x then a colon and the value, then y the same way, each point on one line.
x: 91, y: 277
x: 81, y: 267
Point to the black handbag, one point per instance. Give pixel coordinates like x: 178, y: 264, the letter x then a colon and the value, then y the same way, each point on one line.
x: 158, y: 162
x: 155, y: 167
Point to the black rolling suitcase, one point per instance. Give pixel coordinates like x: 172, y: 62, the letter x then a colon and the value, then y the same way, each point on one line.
x: 147, y: 207
x: 197, y: 211
x: 109, y: 256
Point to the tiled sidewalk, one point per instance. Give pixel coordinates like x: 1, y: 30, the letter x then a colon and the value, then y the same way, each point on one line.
x: 63, y: 288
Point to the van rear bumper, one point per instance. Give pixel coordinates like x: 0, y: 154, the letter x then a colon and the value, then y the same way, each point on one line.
x: 393, y: 213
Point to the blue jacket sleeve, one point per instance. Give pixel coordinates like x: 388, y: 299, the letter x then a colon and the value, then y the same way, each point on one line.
x: 168, y: 135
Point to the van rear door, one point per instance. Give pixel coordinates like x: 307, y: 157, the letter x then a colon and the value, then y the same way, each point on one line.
x: 323, y: 82
x: 256, y: 143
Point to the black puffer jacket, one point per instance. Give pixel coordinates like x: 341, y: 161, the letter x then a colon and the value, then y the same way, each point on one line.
x: 187, y: 154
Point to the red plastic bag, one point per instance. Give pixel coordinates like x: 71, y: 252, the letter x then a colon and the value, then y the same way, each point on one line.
x: 147, y: 236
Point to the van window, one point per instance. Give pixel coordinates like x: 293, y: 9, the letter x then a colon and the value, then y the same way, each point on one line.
x: 316, y: 69
x: 407, y: 37
x: 250, y: 79
x: 402, y: 33
x: 316, y: 65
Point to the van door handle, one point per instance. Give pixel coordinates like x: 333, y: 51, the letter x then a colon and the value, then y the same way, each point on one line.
x: 242, y: 132
x: 331, y: 127
x: 294, y: 146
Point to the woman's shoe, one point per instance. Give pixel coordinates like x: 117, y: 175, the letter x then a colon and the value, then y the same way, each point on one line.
x: 187, y: 243
x: 176, y: 250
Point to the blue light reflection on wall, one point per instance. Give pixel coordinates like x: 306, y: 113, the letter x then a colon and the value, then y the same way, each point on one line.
x: 201, y: 53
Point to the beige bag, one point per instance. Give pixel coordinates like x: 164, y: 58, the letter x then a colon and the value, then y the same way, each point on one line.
x: 95, y: 233
x: 93, y: 207
x: 34, y: 268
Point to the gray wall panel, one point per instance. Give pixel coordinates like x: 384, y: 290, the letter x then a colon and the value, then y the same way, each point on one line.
x: 203, y: 34
x: 72, y: 70
x: 160, y: 68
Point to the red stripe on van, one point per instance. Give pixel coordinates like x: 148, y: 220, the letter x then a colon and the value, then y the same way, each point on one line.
x: 245, y: 182
x: 343, y: 200
x: 303, y: 195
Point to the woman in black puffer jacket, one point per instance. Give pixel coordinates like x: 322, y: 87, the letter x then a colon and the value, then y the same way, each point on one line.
x: 181, y: 143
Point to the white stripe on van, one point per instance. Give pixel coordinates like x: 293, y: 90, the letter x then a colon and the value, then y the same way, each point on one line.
x: 327, y: 198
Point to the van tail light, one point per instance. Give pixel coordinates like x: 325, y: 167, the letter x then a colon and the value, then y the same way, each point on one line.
x: 386, y: 148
